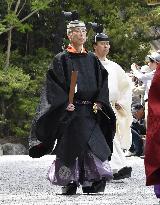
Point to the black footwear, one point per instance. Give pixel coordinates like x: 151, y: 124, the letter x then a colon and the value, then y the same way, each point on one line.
x: 97, y: 186
x: 123, y: 173
x: 70, y: 189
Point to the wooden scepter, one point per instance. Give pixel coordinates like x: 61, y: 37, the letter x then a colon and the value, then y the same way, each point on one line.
x: 73, y: 83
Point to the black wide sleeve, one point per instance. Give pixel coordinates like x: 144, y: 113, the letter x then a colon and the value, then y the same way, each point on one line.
x: 53, y: 102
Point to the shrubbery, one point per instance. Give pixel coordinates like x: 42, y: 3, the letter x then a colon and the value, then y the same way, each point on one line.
x: 19, y: 91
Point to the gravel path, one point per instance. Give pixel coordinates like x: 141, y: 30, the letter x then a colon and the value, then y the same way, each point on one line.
x: 23, y: 182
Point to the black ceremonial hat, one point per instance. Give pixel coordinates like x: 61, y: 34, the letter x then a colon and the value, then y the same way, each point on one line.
x: 101, y: 37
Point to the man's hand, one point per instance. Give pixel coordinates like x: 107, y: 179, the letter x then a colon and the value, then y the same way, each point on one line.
x: 99, y: 105
x: 118, y: 106
x: 70, y: 107
x: 134, y: 66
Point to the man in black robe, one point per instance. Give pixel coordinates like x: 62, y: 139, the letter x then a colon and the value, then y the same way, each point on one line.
x: 84, y: 138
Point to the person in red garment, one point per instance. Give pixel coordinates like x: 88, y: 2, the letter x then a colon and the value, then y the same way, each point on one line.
x: 152, y: 147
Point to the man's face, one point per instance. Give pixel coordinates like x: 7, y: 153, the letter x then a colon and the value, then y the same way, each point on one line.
x: 152, y: 64
x: 102, y: 48
x: 139, y: 114
x: 77, y: 36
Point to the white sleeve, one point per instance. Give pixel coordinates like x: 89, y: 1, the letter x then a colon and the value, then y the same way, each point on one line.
x: 141, y: 76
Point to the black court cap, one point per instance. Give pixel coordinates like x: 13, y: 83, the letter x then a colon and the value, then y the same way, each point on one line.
x: 101, y: 37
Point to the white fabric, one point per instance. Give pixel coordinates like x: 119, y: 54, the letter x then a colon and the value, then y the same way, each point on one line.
x: 118, y: 160
x: 146, y: 79
x: 120, y: 91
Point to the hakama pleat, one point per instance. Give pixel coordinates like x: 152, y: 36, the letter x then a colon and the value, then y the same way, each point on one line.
x: 85, y: 169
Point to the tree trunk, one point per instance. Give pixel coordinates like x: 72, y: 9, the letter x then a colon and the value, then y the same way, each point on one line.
x: 8, y: 48
x: 3, y: 129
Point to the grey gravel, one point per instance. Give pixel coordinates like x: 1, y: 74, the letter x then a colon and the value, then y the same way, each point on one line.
x: 23, y: 182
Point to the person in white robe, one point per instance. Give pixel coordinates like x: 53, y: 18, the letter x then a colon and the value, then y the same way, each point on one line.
x: 120, y: 95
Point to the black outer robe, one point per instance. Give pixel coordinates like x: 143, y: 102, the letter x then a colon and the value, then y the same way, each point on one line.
x: 84, y: 130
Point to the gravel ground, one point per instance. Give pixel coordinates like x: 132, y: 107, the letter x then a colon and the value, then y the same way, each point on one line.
x: 23, y: 182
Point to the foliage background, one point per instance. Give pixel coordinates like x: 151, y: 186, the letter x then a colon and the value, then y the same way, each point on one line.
x: 130, y: 24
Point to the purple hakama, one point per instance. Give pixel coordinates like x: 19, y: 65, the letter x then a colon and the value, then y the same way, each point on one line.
x: 157, y: 190
x: 84, y: 171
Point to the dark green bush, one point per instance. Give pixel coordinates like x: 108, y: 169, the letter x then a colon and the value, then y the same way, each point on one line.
x: 20, y: 87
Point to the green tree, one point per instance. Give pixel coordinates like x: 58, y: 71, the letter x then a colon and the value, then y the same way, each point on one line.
x: 130, y: 24
x: 15, y: 17
x: 20, y: 90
